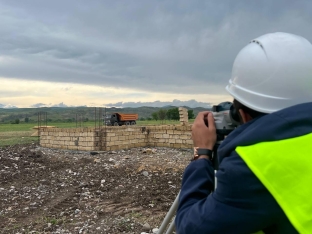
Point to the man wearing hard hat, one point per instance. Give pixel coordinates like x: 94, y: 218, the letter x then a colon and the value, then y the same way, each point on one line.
x: 264, y: 181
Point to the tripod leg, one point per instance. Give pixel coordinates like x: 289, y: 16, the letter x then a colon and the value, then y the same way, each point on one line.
x: 169, y: 216
x: 215, y: 180
x: 174, y: 207
x: 171, y: 227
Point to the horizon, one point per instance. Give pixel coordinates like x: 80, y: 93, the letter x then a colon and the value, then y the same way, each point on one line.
x: 156, y: 104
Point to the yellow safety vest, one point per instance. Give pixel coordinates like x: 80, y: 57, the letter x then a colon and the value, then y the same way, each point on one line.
x: 285, y: 168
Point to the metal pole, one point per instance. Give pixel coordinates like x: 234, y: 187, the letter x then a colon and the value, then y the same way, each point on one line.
x: 105, y: 134
x: 171, y: 227
x: 169, y: 216
x: 99, y: 116
x: 104, y: 119
x: 38, y: 124
x: 40, y: 121
x: 175, y: 204
x: 95, y: 117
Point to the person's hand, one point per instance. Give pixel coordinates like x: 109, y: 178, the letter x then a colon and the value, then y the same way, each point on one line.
x: 204, y: 136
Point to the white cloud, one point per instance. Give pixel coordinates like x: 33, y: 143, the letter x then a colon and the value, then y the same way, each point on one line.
x: 8, y: 106
x: 23, y: 93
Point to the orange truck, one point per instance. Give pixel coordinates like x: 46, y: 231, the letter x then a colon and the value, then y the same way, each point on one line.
x: 118, y: 119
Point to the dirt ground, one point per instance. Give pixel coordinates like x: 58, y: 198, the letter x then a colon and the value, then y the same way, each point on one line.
x: 56, y: 191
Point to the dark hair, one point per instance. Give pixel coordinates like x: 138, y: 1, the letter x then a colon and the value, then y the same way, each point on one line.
x: 253, y: 114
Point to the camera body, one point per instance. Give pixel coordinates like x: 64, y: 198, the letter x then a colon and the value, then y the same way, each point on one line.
x: 226, y: 119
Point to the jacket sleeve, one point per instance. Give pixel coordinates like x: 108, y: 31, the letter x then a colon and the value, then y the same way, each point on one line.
x: 240, y: 203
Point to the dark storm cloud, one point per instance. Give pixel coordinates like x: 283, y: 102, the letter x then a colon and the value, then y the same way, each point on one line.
x: 170, y: 46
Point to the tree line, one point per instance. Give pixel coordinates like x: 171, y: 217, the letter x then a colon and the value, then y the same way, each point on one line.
x: 170, y: 114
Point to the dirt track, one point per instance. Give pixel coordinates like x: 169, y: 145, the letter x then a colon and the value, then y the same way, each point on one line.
x: 54, y: 191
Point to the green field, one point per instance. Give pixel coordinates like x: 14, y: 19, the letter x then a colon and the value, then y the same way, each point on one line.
x: 11, y: 134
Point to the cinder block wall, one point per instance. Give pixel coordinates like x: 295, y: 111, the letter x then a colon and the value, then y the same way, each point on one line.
x: 123, y: 137
x: 116, y: 138
x: 174, y: 136
x: 69, y: 138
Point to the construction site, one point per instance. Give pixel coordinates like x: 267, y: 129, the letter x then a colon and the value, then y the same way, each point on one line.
x: 108, y: 138
x: 106, y: 179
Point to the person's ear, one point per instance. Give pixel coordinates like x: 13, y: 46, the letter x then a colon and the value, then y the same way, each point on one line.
x: 245, y: 117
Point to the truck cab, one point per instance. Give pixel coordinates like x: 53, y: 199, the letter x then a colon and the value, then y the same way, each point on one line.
x: 118, y: 119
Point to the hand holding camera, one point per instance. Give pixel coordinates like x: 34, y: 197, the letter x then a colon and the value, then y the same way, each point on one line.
x: 204, y: 135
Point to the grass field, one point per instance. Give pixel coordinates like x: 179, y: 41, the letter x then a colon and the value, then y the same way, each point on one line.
x: 11, y: 134
x: 16, y: 137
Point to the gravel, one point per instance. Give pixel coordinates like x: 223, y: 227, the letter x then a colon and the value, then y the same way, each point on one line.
x: 62, y: 191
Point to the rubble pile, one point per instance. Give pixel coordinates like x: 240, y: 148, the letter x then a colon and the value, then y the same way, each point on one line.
x: 58, y: 191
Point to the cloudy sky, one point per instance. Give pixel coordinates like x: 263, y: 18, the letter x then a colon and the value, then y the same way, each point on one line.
x: 105, y: 52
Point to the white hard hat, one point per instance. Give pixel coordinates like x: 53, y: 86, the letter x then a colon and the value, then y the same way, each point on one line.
x: 273, y: 72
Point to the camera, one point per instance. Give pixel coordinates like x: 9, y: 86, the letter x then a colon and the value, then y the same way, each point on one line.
x: 226, y: 119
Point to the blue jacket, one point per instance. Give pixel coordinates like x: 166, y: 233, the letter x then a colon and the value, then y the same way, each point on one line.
x: 240, y: 204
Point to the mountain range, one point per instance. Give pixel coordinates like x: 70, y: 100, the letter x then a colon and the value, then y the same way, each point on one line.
x: 190, y: 103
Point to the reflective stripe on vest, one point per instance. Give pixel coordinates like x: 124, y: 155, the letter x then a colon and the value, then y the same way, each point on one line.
x: 285, y: 168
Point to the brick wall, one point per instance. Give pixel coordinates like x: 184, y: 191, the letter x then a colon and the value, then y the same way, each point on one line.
x: 116, y: 138
x: 174, y: 136
x: 71, y: 138
x: 123, y: 137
